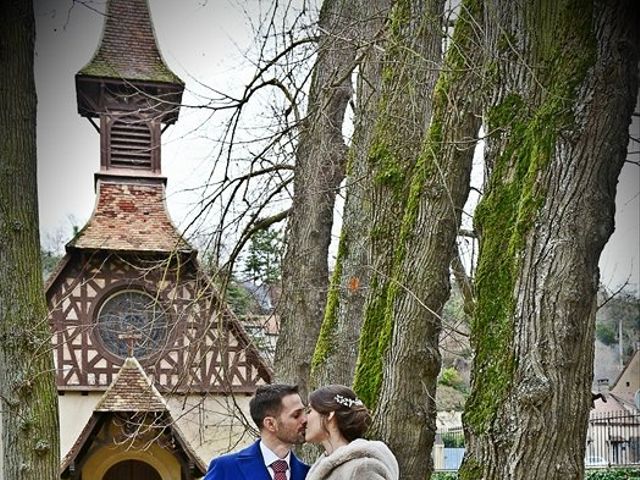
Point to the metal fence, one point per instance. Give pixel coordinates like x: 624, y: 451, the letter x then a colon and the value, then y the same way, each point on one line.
x: 613, y: 439
x: 448, y: 449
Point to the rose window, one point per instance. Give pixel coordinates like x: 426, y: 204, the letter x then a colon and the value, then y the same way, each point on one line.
x: 132, y: 321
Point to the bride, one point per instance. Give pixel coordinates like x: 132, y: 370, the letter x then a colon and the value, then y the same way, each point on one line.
x: 337, y: 420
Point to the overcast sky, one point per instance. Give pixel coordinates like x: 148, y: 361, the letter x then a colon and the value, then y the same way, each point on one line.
x: 201, y: 41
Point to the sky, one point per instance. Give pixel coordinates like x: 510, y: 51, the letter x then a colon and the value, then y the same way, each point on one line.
x: 203, y: 43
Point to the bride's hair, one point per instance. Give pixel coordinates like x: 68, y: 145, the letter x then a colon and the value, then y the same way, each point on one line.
x: 352, y: 416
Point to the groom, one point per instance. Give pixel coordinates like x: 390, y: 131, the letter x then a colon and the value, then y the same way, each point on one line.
x: 280, y: 416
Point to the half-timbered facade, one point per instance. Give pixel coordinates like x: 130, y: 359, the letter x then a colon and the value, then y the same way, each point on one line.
x: 130, y: 286
x: 101, y: 301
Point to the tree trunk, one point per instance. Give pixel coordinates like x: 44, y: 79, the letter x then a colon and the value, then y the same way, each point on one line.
x: 558, y: 126
x: 320, y: 165
x: 336, y: 352
x: 412, y: 55
x: 29, y: 401
x: 406, y: 413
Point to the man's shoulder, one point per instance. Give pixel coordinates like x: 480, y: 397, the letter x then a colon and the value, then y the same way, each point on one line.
x: 227, y: 465
x: 225, y: 459
x: 247, y: 451
x: 232, y: 457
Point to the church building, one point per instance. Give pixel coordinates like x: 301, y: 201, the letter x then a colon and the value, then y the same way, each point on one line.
x: 153, y: 371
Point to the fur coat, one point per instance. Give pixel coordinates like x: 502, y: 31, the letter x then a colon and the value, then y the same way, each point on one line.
x: 360, y: 459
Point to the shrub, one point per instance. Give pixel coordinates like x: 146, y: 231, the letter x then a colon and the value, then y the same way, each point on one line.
x: 451, y: 377
x: 453, y: 439
x: 594, y: 474
x: 613, y: 474
x: 444, y: 476
x: 606, y: 334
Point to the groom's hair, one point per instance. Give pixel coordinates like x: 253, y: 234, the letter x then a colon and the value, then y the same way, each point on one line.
x: 267, y: 401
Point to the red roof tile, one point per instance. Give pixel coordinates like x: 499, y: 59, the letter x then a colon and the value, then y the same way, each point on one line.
x: 130, y: 216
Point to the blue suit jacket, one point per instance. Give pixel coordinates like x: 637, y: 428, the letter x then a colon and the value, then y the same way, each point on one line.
x: 248, y: 464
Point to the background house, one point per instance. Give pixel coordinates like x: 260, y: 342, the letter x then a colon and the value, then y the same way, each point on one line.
x: 614, y: 422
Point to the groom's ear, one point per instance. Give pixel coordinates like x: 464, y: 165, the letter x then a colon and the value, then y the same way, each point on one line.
x: 269, y: 423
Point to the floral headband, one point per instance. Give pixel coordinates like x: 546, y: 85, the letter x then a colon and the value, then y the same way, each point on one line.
x: 347, y: 402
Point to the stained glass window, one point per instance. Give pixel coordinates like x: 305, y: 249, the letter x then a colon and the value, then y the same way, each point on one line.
x: 132, y: 319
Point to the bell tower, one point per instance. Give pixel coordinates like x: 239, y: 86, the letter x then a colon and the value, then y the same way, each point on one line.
x: 130, y: 284
x: 128, y: 92
x: 130, y: 96
x: 130, y: 308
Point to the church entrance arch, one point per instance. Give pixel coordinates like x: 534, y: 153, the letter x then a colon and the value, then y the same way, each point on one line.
x: 132, y: 470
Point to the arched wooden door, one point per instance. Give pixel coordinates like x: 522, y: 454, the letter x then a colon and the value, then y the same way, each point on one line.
x: 132, y: 470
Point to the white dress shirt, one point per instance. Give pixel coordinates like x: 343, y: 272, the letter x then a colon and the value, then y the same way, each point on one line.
x: 270, y: 457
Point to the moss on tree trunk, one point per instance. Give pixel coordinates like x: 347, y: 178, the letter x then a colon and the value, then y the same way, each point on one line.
x: 412, y: 49
x: 425, y: 247
x: 555, y: 147
x: 336, y: 352
x: 319, y: 170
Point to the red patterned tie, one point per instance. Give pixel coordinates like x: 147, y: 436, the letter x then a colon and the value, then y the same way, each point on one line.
x: 280, y: 469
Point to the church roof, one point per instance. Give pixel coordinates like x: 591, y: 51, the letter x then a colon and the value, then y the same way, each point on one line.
x: 128, y: 48
x: 131, y: 390
x: 130, y: 216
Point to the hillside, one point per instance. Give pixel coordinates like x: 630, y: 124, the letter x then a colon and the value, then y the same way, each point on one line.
x: 617, y: 330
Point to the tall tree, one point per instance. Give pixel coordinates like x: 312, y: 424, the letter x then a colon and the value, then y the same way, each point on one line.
x: 263, y: 258
x: 319, y: 170
x: 427, y: 178
x: 335, y: 355
x: 412, y: 57
x: 29, y: 407
x: 406, y: 409
x: 566, y: 77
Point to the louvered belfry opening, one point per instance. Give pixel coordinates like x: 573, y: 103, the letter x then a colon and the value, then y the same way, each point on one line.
x: 131, y: 144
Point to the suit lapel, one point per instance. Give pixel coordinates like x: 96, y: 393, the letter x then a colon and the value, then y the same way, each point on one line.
x: 298, y: 469
x: 252, y: 465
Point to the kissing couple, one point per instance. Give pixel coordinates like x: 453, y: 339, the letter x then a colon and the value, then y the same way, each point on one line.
x: 335, y: 418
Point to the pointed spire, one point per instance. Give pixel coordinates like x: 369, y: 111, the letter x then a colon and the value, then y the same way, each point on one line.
x: 127, y: 72
x: 128, y: 48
